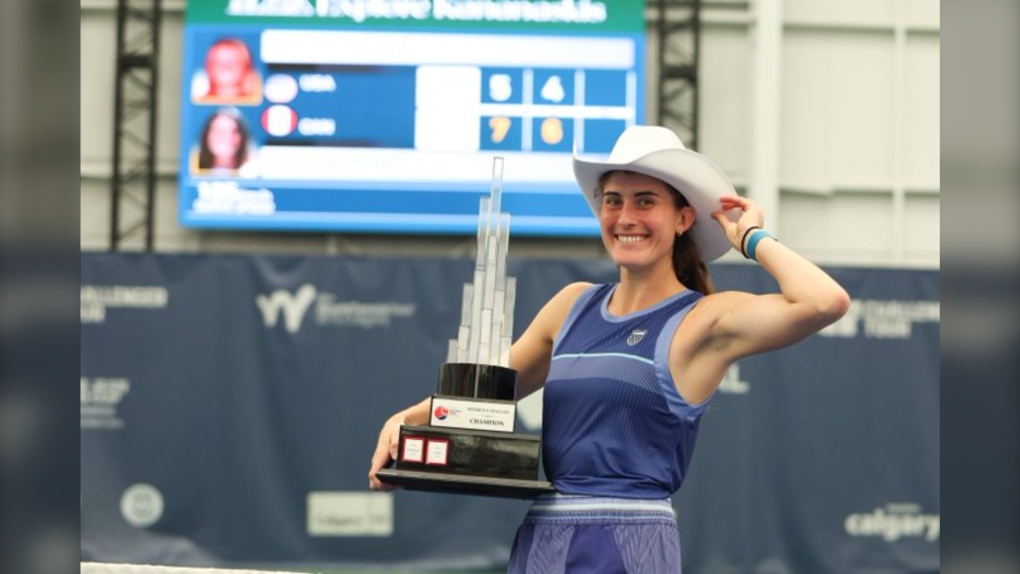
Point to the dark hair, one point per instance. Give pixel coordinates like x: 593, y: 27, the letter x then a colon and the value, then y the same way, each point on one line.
x: 205, y: 157
x: 687, y: 264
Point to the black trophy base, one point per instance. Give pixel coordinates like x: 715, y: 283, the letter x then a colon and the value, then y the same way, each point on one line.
x: 444, y: 456
x: 462, y: 484
x: 475, y: 453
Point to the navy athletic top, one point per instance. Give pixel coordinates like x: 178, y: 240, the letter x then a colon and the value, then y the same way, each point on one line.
x: 613, y: 423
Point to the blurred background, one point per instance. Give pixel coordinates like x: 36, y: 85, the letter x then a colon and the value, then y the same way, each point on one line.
x: 826, y: 112
x: 228, y: 421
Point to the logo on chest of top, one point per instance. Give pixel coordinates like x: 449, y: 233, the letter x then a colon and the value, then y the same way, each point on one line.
x: 635, y: 337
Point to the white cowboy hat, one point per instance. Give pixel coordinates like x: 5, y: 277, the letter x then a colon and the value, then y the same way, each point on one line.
x: 658, y: 152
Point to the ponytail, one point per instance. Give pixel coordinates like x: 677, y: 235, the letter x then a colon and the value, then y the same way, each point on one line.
x: 687, y: 264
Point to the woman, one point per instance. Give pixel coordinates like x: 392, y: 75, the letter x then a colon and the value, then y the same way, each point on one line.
x: 629, y: 368
x: 229, y: 75
x: 225, y: 146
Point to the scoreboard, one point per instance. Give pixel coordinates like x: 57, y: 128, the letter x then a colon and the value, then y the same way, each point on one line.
x: 331, y: 122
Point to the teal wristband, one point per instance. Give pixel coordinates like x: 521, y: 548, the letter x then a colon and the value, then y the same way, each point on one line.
x: 752, y: 242
x: 743, y: 239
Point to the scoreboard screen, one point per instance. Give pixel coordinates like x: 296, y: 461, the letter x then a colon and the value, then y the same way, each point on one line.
x: 385, y: 115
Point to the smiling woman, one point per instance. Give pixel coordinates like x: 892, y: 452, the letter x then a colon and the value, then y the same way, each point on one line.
x: 632, y: 207
x: 629, y: 367
x: 225, y: 145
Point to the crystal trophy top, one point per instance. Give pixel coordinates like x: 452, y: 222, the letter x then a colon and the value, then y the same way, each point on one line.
x: 486, y: 321
x: 478, y: 360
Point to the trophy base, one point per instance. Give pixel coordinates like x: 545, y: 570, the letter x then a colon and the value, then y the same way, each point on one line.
x: 462, y: 484
x: 462, y: 452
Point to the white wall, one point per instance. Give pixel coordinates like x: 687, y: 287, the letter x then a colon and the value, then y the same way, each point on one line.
x: 825, y: 111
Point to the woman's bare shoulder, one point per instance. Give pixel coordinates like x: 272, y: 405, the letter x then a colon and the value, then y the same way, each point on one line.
x: 564, y: 300
x: 574, y: 290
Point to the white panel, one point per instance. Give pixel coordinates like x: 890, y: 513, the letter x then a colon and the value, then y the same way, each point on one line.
x: 440, y: 90
x: 95, y: 215
x: 862, y: 110
x: 98, y: 52
x: 923, y: 13
x: 844, y: 228
x: 805, y: 128
x: 725, y: 92
x: 837, y: 110
x: 923, y: 129
x: 652, y: 77
x: 326, y: 47
x: 841, y: 12
x: 921, y: 229
x: 168, y: 132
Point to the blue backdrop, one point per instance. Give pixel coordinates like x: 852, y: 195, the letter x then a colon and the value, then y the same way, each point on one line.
x: 230, y: 406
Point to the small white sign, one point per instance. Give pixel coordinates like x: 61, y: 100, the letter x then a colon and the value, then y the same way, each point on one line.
x: 350, y: 514
x: 473, y: 415
x: 414, y: 449
x: 437, y: 451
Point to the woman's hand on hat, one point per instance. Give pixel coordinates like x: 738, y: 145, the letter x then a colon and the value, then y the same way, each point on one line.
x: 736, y: 224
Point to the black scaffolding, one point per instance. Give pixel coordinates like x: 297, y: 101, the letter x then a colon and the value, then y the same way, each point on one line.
x: 133, y: 181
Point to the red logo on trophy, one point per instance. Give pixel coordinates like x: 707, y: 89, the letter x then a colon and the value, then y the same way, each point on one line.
x: 441, y: 413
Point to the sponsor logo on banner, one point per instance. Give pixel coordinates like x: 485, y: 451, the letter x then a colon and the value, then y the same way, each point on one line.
x: 96, y: 299
x: 327, y: 310
x: 141, y: 505
x: 350, y: 514
x: 292, y: 306
x: 880, y: 319
x: 100, y: 397
x: 895, y: 521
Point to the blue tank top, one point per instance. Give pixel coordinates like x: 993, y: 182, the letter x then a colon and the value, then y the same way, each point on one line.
x: 613, y: 423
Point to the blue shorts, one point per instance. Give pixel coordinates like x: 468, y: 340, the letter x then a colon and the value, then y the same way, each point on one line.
x: 567, y: 534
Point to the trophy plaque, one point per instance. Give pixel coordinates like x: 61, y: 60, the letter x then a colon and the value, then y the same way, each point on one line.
x: 470, y: 444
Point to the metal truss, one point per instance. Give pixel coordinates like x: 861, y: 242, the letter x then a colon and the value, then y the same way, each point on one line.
x: 133, y: 182
x: 679, y: 26
x: 679, y: 31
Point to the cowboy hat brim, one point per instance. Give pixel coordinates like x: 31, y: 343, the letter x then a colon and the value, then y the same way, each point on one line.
x: 692, y: 174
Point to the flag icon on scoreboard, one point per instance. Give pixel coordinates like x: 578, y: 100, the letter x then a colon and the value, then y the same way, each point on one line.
x: 279, y: 120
